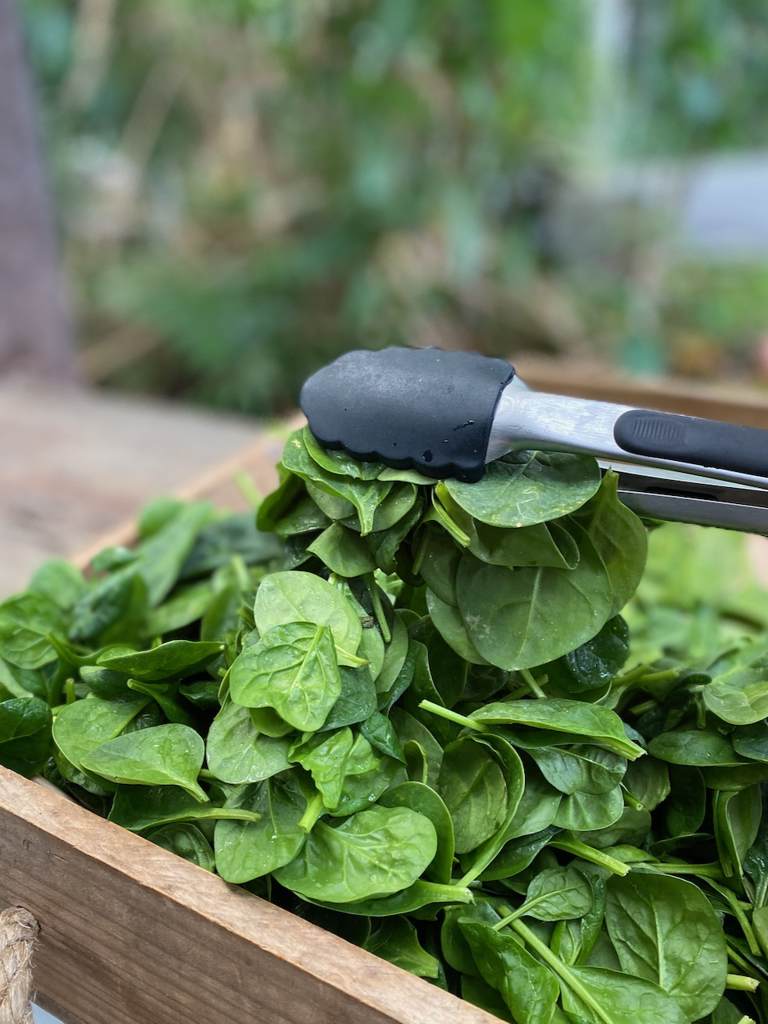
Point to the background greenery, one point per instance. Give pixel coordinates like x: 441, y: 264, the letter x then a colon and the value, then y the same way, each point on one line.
x: 247, y: 187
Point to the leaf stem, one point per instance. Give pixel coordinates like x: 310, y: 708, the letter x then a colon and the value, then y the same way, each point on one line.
x: 740, y: 983
x: 313, y: 811
x: 452, y: 716
x: 735, y: 904
x: 557, y: 965
x: 589, y: 853
x: 378, y: 611
x: 533, y: 686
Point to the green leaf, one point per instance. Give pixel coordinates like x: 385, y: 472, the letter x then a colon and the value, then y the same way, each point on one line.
x: 187, y: 841
x: 396, y: 940
x: 166, y: 661
x: 524, y: 617
x: 245, y: 849
x: 580, y: 769
x: 284, y: 598
x: 163, y: 755
x: 739, y: 695
x: 665, y: 930
x: 473, y: 787
x: 426, y: 801
x: 584, y: 812
x: 372, y: 854
x: 26, y: 622
x: 528, y: 988
x: 600, y: 725
x: 292, y: 669
x: 343, y: 551
x: 695, y: 747
x: 525, y: 488
x: 142, y: 807
x: 558, y: 894
x: 80, y: 728
x: 236, y: 752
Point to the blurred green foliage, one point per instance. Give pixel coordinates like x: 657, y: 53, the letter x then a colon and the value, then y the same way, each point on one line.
x: 697, y: 76
x: 248, y: 187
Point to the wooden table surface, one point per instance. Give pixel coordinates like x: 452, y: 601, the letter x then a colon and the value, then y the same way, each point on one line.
x: 74, y: 463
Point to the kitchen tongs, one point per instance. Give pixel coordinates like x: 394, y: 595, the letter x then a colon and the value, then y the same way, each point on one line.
x: 447, y: 414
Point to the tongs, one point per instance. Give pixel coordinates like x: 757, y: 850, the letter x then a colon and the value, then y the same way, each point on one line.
x: 448, y: 414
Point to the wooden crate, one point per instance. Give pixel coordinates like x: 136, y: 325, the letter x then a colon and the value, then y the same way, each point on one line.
x: 131, y: 934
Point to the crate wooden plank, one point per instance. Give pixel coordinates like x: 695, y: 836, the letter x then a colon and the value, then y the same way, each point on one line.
x: 132, y: 934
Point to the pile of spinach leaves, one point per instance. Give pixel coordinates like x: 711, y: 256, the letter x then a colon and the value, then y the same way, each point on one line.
x: 409, y: 711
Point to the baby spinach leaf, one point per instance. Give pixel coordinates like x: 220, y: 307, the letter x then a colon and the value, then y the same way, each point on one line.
x: 528, y: 988
x: 473, y: 787
x: 284, y: 598
x: 343, y: 551
x: 739, y: 695
x: 161, y: 557
x: 60, y: 582
x: 584, y: 812
x: 26, y: 623
x: 163, y: 755
x: 520, y: 618
x: 187, y: 841
x: 372, y: 854
x: 694, y: 747
x: 557, y: 894
x: 380, y: 733
x: 142, y: 807
x: 525, y: 488
x: 647, y: 780
x: 251, y: 849
x: 363, y: 495
x: 80, y: 728
x: 426, y: 801
x: 580, y: 769
x: 593, y: 995
x: 549, y: 545
x: 337, y: 461
x: 236, y: 752
x: 166, y: 661
x: 737, y: 821
x: 592, y: 666
x: 356, y: 701
x: 185, y: 606
x: 292, y: 669
x: 619, y: 538
x: 665, y: 930
x: 396, y: 940
x: 600, y: 725
x: 451, y: 627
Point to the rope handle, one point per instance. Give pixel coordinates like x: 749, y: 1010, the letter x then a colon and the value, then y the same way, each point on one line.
x: 18, y: 932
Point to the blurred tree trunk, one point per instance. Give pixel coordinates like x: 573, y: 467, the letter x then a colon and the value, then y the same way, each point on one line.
x: 35, y: 326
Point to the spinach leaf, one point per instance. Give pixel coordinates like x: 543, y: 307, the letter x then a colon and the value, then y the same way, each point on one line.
x: 372, y: 854
x: 163, y: 755
x: 600, y: 725
x: 292, y: 669
x: 520, y: 618
x: 166, y: 661
x: 251, y: 849
x: 26, y: 623
x: 396, y: 940
x: 143, y: 807
x: 580, y: 769
x: 80, y: 728
x: 236, y: 752
x: 526, y: 986
x: 424, y: 800
x: 285, y: 598
x: 665, y: 930
x: 525, y: 488
x: 187, y: 841
x: 343, y: 551
x: 473, y: 787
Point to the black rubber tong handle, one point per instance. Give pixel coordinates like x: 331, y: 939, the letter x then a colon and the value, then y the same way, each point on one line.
x: 421, y: 409
x: 694, y: 441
